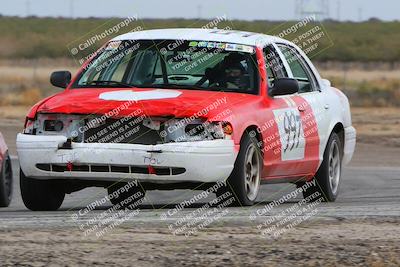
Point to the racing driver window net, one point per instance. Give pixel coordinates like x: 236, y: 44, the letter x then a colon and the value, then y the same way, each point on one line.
x: 196, y: 65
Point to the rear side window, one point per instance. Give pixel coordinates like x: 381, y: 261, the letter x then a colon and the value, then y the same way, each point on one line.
x: 300, y: 69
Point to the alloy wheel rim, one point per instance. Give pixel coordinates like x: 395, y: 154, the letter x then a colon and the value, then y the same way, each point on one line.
x: 334, y: 167
x: 252, y: 172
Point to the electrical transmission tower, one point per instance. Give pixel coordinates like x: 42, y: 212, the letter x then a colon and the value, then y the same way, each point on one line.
x: 317, y: 8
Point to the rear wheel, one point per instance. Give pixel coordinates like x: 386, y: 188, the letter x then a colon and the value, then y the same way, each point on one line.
x: 244, y: 181
x: 329, y: 173
x: 41, y: 195
x: 6, y: 182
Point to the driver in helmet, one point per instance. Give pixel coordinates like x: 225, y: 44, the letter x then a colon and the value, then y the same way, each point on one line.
x: 233, y: 76
x: 230, y: 72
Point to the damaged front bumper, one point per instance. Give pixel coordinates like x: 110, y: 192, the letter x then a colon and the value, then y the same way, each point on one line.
x: 47, y: 157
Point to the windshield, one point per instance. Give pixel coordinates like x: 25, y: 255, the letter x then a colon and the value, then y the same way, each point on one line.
x: 196, y: 65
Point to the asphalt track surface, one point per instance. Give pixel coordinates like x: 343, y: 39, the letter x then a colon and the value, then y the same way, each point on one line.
x: 366, y: 192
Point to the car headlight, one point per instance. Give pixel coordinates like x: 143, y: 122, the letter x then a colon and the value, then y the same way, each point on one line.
x: 56, y: 124
x: 53, y: 125
x: 29, y: 126
x: 184, y: 130
x: 80, y: 128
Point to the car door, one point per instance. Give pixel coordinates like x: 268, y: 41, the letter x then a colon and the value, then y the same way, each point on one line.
x: 297, y: 151
x: 309, y: 99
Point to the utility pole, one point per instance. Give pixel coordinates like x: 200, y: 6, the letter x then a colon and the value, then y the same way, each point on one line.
x: 325, y: 9
x: 71, y: 8
x: 298, y: 9
x: 28, y: 8
x: 199, y: 8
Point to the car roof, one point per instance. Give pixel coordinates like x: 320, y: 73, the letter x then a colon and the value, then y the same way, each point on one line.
x: 214, y: 35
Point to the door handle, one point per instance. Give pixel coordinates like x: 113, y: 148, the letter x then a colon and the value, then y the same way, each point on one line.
x: 301, y: 108
x: 326, y: 106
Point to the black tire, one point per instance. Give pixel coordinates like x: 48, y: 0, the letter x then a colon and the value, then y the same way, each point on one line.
x: 41, y: 195
x: 6, y: 182
x: 120, y: 196
x: 325, y: 185
x: 236, y: 183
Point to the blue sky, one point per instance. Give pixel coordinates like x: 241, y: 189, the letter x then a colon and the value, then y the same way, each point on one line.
x: 235, y: 9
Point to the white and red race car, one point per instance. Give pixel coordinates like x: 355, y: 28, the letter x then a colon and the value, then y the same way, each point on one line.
x: 6, y: 175
x: 182, y: 108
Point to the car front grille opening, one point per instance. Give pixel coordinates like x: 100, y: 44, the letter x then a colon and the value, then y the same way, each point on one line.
x: 133, y: 133
x: 96, y: 168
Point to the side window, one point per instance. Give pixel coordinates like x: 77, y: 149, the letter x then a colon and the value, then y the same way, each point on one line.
x: 301, y: 72
x: 274, y: 66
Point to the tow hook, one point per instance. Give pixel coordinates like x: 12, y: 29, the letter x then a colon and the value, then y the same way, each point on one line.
x: 67, y: 144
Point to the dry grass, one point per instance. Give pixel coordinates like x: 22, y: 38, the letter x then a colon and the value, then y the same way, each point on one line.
x: 25, y: 98
x: 24, y: 82
x: 359, y: 75
x: 13, y: 112
x: 367, y: 88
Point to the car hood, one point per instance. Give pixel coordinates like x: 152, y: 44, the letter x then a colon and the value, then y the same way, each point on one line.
x: 151, y: 102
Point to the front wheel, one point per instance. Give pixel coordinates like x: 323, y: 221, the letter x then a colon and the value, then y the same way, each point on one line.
x: 6, y: 182
x: 41, y: 195
x: 244, y: 181
x: 329, y: 173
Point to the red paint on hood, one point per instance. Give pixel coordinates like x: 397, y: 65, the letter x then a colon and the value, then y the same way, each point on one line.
x: 190, y: 102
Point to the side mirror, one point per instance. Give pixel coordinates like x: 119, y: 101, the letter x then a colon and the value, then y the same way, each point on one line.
x: 60, y: 78
x: 284, y: 86
x: 326, y: 83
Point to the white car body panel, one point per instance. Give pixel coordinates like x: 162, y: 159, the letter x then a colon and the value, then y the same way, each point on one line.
x: 204, y: 161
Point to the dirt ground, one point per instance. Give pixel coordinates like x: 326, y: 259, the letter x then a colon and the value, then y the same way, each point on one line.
x: 372, y: 242
x: 377, y: 125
